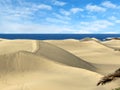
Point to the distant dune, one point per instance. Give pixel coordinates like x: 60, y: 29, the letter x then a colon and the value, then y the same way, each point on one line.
x: 57, y: 64
x: 113, y: 43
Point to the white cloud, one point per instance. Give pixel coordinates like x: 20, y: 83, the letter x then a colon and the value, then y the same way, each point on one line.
x: 24, y: 9
x: 117, y: 21
x: 95, y: 8
x: 20, y: 19
x: 75, y: 10
x: 71, y: 11
x: 32, y: 28
x: 108, y: 4
x: 95, y: 26
x: 89, y: 16
x: 62, y: 17
x: 64, y: 12
x: 59, y: 3
x: 83, y: 27
x: 56, y: 21
x: 44, y: 6
x: 114, y: 19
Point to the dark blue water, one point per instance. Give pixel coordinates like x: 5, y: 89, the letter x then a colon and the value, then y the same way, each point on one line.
x: 56, y: 36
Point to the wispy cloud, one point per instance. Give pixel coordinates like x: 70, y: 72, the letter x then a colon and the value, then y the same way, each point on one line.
x: 75, y: 10
x: 42, y: 6
x: 61, y: 17
x: 71, y: 11
x: 33, y: 28
x: 22, y: 9
x: 56, y: 21
x: 64, y: 12
x: 95, y: 26
x: 57, y: 16
x: 95, y: 8
x: 109, y: 4
x: 82, y: 27
x: 114, y: 19
x: 118, y: 21
x: 58, y: 3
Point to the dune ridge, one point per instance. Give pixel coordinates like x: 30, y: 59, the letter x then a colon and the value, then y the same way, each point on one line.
x: 88, y: 50
x: 63, y: 56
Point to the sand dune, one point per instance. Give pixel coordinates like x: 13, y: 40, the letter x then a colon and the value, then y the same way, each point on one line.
x: 55, y: 64
x: 88, y: 50
x: 91, y: 51
x: 57, y: 54
x: 80, y: 47
x: 112, y: 43
x: 11, y: 46
x: 41, y: 73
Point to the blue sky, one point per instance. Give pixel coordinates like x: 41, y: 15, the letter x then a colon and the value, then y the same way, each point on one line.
x: 59, y: 16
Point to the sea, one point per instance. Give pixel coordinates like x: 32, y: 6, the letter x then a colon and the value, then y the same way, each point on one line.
x: 58, y: 36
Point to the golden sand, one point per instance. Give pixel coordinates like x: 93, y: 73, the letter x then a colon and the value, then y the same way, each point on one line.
x: 57, y: 64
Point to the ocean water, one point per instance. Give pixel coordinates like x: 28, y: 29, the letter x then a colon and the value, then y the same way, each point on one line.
x: 57, y: 36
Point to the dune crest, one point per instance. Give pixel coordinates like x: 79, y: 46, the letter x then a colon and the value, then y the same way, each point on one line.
x: 11, y: 46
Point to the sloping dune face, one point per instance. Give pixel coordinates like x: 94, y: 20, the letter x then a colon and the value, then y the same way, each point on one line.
x: 80, y: 48
x: 57, y: 54
x: 43, y: 65
x: 113, y: 44
x: 11, y: 46
x: 91, y: 51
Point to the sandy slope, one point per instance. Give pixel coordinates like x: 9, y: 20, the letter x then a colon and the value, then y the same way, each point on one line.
x: 29, y: 72
x: 87, y: 50
x: 54, y: 65
x: 112, y: 43
x: 57, y: 54
x: 11, y: 46
x: 91, y: 51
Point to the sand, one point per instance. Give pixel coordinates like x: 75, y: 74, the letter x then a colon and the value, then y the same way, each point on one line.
x: 57, y: 64
x: 112, y: 43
